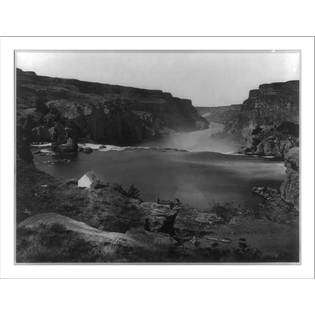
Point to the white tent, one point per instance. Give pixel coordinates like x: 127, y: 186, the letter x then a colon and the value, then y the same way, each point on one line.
x: 87, y: 180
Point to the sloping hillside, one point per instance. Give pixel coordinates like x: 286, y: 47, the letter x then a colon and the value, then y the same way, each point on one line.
x: 60, y: 222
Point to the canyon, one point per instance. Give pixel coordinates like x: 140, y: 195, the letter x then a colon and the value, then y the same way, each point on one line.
x: 57, y: 221
x: 266, y: 123
x: 56, y: 110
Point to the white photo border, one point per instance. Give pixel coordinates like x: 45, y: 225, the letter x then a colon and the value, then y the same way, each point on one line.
x: 8, y: 268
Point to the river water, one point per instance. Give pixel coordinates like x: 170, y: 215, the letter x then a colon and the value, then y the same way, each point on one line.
x: 198, y: 177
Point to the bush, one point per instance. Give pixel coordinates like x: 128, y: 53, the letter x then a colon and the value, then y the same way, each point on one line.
x: 132, y: 192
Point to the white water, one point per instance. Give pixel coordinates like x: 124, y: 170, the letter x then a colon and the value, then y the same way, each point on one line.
x: 196, y: 141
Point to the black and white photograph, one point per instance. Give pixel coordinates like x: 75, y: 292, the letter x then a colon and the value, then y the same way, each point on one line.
x: 157, y: 156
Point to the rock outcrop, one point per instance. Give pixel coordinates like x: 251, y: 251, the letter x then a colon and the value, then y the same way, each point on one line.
x: 24, y: 139
x: 267, y: 122
x: 100, y: 112
x: 159, y: 217
x: 282, y: 205
x: 221, y: 114
x: 290, y: 187
x: 51, y: 237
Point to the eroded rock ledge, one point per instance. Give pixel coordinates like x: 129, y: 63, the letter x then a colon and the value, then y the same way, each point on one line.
x: 290, y: 187
x: 267, y: 122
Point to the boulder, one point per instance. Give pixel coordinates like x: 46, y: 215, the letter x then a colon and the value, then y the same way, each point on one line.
x: 87, y: 150
x: 290, y: 187
x: 50, y: 237
x: 68, y: 149
x: 158, y: 217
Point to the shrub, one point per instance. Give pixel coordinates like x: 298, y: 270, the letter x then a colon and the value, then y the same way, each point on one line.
x: 132, y: 192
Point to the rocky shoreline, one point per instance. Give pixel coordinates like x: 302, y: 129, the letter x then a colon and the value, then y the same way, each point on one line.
x: 61, y: 222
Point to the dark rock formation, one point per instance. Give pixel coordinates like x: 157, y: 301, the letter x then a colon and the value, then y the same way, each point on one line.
x: 267, y: 122
x: 41, y: 134
x: 282, y: 206
x: 273, y: 207
x: 101, y: 112
x: 67, y: 149
x: 159, y: 217
x: 24, y: 138
x: 221, y: 114
x: 87, y: 150
x: 64, y: 141
x: 290, y: 187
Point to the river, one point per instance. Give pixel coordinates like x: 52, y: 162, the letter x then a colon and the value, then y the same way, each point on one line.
x: 197, y: 177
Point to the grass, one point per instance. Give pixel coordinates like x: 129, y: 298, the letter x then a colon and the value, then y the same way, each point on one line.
x: 54, y: 243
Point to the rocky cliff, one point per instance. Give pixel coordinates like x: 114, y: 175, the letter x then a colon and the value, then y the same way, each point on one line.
x: 220, y: 114
x: 268, y: 120
x: 62, y: 109
x: 290, y: 187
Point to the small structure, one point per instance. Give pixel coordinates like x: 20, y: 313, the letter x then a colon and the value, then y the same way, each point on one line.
x: 88, y: 180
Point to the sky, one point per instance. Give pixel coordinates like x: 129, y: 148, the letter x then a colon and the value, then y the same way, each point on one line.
x: 208, y: 78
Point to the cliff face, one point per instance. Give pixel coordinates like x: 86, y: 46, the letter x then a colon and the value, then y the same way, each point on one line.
x: 270, y: 106
x: 100, y: 112
x: 268, y: 120
x: 290, y: 187
x: 222, y: 114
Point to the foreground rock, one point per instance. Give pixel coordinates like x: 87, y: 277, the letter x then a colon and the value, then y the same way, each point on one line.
x: 273, y: 207
x: 51, y: 237
x: 159, y: 217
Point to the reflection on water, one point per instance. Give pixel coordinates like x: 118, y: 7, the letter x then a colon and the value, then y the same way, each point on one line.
x: 197, y: 178
x: 201, y: 140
